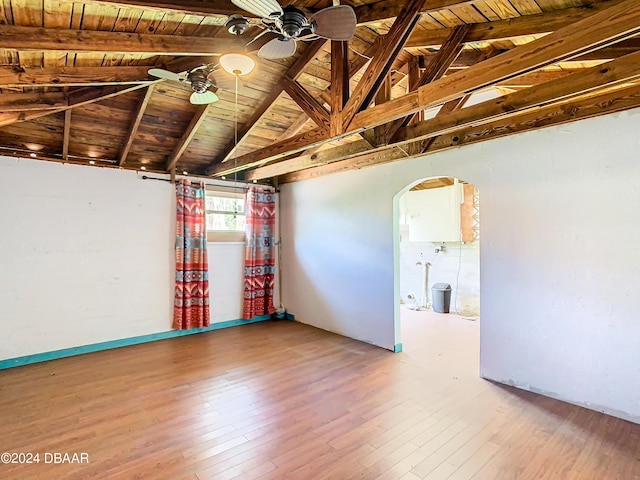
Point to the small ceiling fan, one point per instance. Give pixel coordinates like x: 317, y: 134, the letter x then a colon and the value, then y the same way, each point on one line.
x: 202, y: 81
x: 291, y: 24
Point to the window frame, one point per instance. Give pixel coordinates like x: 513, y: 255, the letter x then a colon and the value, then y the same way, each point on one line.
x: 225, y: 236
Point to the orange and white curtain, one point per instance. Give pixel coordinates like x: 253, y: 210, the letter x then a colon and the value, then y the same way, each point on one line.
x: 191, y: 302
x: 260, y: 265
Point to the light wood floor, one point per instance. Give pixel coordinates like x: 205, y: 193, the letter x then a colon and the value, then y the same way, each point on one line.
x: 280, y: 400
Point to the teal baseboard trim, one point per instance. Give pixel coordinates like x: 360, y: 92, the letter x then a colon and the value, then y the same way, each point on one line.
x: 397, y: 348
x: 124, y: 342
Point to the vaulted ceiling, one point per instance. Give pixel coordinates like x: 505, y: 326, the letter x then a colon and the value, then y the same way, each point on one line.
x: 74, y: 83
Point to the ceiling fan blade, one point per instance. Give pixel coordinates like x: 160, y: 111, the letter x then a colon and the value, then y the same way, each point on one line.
x: 165, y: 74
x: 335, y: 23
x: 260, y: 8
x: 203, y: 98
x: 278, y: 48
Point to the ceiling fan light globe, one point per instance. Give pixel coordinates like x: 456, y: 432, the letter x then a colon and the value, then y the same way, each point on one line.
x: 237, y: 64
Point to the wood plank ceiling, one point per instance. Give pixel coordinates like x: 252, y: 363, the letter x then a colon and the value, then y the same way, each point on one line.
x: 74, y: 85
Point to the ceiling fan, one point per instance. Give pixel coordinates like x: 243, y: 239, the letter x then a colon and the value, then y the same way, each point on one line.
x: 202, y: 80
x: 291, y: 24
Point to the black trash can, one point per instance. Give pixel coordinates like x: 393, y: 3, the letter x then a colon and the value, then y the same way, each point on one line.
x: 441, y: 294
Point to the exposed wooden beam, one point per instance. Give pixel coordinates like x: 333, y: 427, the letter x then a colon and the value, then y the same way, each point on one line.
x: 16, y: 117
x: 295, y: 127
x: 388, y: 9
x: 187, y: 136
x: 471, y: 57
x: 377, y: 136
x: 66, y: 135
x: 309, y: 105
x: 553, y: 115
x: 607, y: 27
x: 539, y: 24
x: 418, y: 138
x: 363, y: 58
x: 610, y: 74
x: 293, y: 72
x: 66, y: 40
x: 535, y: 78
x: 20, y: 102
x: 382, y: 61
x: 374, y: 13
x: 192, y: 7
x: 308, y: 160
x: 433, y: 71
x: 614, y: 24
x: 71, y: 76
x: 75, y: 98
x: 451, y: 106
x: 133, y: 129
x: 339, y: 83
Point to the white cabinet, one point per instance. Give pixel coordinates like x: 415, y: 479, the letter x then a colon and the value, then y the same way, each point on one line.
x: 433, y: 215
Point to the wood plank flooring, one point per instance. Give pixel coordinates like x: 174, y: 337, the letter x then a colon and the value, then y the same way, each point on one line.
x: 282, y: 400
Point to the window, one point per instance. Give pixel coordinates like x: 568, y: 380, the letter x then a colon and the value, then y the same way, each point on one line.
x: 225, y: 216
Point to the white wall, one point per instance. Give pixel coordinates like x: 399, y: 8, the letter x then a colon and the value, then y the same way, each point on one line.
x: 87, y: 256
x: 559, y: 256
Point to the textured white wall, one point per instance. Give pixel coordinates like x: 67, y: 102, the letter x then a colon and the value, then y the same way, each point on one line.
x: 559, y: 256
x: 86, y: 256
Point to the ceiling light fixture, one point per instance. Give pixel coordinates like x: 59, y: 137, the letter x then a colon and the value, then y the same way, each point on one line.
x: 33, y: 155
x: 143, y: 168
x: 237, y: 64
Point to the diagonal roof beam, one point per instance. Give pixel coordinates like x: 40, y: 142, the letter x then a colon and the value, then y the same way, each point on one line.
x: 309, y: 105
x: 417, y: 138
x: 539, y: 24
x: 604, y: 28
x: 435, y: 70
x: 567, y: 112
x: 615, y: 72
x: 133, y: 129
x: 187, y: 136
x: 314, y: 159
x: 382, y: 61
x: 67, y: 40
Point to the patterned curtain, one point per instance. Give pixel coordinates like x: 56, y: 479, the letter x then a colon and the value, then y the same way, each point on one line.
x: 191, y: 305
x: 259, y: 262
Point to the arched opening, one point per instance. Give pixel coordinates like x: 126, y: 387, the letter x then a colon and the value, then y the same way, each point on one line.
x: 437, y: 265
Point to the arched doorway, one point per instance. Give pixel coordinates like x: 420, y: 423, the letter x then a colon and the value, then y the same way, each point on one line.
x: 436, y: 243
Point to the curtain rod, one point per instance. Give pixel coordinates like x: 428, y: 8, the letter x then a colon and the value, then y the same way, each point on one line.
x: 144, y: 177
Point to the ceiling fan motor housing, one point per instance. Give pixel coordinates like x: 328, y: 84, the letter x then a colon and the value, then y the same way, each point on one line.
x: 292, y: 22
x: 237, y: 24
x: 199, y: 81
